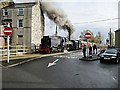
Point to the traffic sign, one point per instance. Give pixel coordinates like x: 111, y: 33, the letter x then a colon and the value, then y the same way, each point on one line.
x: 7, y: 31
x: 88, y: 35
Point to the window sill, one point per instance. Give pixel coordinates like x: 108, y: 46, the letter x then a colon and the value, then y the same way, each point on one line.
x: 5, y: 15
x: 20, y: 15
x: 20, y: 27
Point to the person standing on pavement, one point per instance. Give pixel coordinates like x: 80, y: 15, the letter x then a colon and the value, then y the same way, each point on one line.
x: 90, y: 51
x: 84, y: 51
x: 94, y: 49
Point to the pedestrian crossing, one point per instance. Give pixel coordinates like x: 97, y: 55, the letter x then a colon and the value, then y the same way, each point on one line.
x: 70, y: 56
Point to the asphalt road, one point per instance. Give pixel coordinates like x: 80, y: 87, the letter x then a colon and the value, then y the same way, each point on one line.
x: 69, y: 72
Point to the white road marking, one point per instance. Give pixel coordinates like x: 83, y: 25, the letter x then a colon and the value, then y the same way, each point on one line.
x: 68, y: 57
x: 53, y: 63
x: 114, y: 79
x: 22, y: 62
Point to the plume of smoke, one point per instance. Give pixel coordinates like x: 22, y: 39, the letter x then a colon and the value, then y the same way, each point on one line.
x: 57, y: 15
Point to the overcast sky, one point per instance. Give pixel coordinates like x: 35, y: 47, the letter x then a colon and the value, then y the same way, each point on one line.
x: 83, y: 13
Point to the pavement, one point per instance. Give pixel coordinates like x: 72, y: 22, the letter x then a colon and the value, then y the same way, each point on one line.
x: 88, y: 58
x: 17, y: 60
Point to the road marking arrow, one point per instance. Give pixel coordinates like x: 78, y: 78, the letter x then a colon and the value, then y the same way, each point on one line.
x: 53, y: 63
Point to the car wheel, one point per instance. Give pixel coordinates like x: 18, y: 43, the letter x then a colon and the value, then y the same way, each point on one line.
x: 101, y: 60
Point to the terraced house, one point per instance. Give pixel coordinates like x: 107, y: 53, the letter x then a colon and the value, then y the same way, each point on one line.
x: 26, y: 21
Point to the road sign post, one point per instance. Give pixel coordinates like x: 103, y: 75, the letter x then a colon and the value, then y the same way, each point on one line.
x: 8, y: 49
x: 8, y: 32
x: 87, y: 36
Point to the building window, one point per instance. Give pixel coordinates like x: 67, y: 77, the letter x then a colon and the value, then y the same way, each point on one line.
x: 20, y: 39
x: 20, y: 23
x: 20, y: 11
x: 5, y: 13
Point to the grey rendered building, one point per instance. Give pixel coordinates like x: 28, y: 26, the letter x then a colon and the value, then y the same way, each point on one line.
x: 21, y: 17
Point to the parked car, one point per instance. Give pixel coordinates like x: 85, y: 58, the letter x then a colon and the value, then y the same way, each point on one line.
x: 101, y: 51
x: 111, y: 54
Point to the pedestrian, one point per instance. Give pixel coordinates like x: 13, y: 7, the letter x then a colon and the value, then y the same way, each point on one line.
x: 94, y: 49
x: 84, y: 51
x: 90, y: 51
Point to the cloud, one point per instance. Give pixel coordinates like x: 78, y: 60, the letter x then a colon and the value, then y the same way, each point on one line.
x: 90, y: 11
x: 81, y: 11
x: 19, y: 1
x: 68, y: 0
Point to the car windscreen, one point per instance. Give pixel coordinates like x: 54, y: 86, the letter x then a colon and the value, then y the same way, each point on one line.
x: 111, y: 51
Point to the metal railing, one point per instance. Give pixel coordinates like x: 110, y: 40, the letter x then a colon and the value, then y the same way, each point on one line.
x: 14, y: 50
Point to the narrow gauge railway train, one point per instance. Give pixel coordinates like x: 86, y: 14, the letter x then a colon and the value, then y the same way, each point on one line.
x: 51, y: 44
x: 73, y: 45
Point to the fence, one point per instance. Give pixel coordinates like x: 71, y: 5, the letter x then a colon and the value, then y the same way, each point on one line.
x: 14, y: 50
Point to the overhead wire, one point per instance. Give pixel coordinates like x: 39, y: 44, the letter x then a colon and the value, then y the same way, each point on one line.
x: 103, y: 20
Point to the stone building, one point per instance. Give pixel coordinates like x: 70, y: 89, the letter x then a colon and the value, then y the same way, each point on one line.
x: 117, y: 32
x: 27, y: 22
x: 117, y: 38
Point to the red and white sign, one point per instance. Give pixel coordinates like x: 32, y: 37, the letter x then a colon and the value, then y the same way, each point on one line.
x: 88, y: 35
x: 7, y: 31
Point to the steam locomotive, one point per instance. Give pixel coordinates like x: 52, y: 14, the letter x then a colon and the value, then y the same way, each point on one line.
x: 50, y: 44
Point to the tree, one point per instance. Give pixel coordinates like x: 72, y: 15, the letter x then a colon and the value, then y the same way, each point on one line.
x: 99, y: 37
x: 94, y: 39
